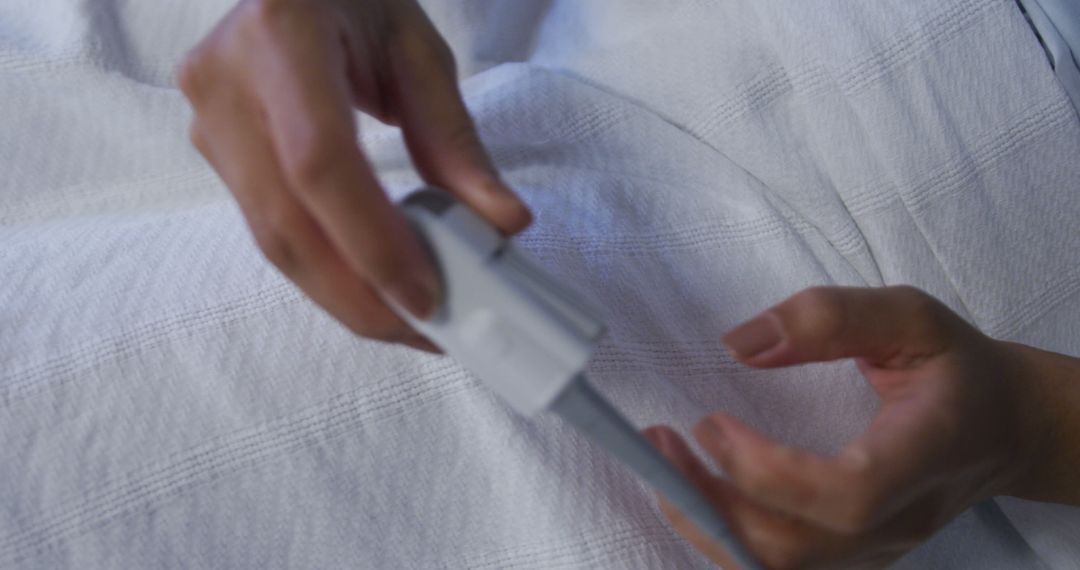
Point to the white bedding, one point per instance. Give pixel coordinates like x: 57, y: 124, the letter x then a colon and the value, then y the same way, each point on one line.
x: 168, y: 400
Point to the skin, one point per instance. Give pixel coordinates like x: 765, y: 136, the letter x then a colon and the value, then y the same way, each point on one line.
x: 274, y: 87
x: 963, y: 418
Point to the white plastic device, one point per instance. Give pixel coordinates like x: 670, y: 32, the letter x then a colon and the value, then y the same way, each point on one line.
x: 529, y: 339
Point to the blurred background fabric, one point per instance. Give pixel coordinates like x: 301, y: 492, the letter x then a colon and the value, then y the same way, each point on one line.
x: 168, y: 400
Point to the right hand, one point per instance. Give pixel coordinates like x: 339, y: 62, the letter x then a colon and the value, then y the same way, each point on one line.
x: 962, y: 418
x: 273, y: 87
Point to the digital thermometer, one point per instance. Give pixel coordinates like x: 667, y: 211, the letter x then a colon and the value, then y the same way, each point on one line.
x: 529, y: 338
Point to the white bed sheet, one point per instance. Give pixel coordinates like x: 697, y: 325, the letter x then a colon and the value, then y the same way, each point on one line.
x: 168, y: 400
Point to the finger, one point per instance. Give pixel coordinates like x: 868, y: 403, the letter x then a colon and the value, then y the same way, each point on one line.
x: 421, y: 343
x: 243, y: 156
x: 889, y: 327
x: 698, y: 539
x: 675, y: 449
x: 367, y: 71
x: 301, y: 80
x: 785, y: 479
x: 780, y: 541
x: 672, y: 446
x: 849, y: 493
x: 439, y: 132
x: 772, y: 537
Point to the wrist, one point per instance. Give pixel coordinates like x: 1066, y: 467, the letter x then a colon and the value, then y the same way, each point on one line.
x: 1046, y: 396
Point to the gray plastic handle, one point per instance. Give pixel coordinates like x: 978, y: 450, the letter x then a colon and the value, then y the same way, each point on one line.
x: 528, y: 338
x: 591, y: 414
x: 501, y: 317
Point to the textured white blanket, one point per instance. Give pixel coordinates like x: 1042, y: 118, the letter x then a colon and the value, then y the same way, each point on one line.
x: 168, y: 400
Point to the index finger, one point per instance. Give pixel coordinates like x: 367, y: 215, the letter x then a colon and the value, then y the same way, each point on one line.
x: 440, y: 134
x: 870, y: 479
x: 302, y: 83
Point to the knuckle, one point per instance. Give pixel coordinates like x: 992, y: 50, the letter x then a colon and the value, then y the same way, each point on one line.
x: 860, y: 513
x: 917, y: 301
x: 857, y: 518
x: 929, y: 316
x: 820, y: 312
x: 857, y: 467
x: 943, y: 419
x: 755, y: 481
x: 795, y: 493
x: 190, y: 75
x: 758, y: 477
x: 313, y: 158
x: 276, y: 250
x: 198, y: 139
x: 258, y: 23
x: 442, y: 54
x: 274, y: 244
x: 777, y: 553
x: 860, y: 501
x: 280, y: 218
x: 261, y: 13
x: 801, y: 495
x: 423, y: 49
x: 462, y: 138
x: 249, y: 27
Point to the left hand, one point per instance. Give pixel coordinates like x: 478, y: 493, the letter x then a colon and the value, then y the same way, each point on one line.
x: 949, y: 433
x: 274, y: 87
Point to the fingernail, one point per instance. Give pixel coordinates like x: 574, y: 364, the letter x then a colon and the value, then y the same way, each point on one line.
x: 754, y: 336
x: 498, y: 188
x: 514, y: 215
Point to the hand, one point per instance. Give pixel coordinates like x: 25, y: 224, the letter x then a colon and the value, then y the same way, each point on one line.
x: 273, y: 89
x: 963, y: 418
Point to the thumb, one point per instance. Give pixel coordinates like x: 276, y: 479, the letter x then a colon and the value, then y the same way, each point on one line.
x: 440, y: 134
x: 889, y: 327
